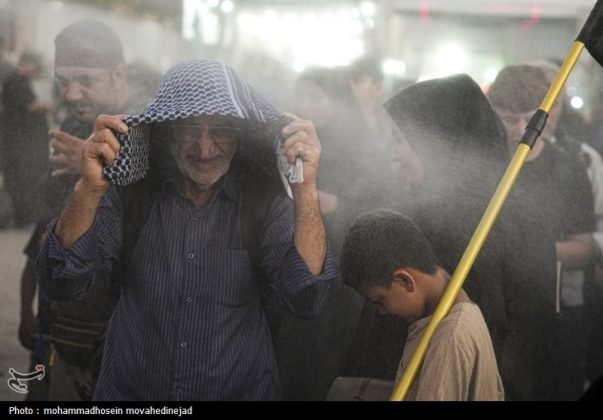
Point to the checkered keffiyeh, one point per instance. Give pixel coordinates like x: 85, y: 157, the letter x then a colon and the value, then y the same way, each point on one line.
x: 189, y: 89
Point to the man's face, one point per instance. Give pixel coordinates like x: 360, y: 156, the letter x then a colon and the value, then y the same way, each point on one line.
x: 515, y: 125
x: 394, y: 300
x: 203, y: 148
x: 368, y: 92
x: 89, y: 92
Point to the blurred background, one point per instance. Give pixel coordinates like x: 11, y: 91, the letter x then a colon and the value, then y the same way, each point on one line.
x: 271, y: 41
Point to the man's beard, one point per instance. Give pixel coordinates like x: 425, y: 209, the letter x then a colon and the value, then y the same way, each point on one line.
x: 84, y: 111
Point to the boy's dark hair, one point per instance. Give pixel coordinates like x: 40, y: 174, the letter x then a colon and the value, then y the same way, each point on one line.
x: 380, y: 242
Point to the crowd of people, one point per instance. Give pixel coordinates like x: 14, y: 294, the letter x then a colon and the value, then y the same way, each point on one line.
x: 176, y: 256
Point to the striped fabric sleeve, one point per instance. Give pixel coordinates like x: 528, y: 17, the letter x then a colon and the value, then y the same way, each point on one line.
x: 68, y: 274
x: 295, y: 286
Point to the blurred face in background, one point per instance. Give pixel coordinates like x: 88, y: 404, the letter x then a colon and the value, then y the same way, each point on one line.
x: 515, y: 126
x: 88, y: 92
x: 313, y: 103
x: 367, y: 91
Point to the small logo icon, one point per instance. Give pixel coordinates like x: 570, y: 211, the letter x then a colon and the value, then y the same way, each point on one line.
x: 16, y: 382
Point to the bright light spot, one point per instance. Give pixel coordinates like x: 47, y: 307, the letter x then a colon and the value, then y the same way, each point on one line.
x: 424, y: 77
x: 449, y: 59
x: 331, y: 37
x: 270, y: 15
x: 327, y: 17
x: 298, y: 66
x: 309, y: 20
x: 355, y: 13
x: 227, y: 6
x: 210, y: 29
x: 356, y: 49
x: 490, y: 74
x: 213, y: 3
x: 577, y: 102
x: 368, y: 8
x: 370, y: 23
x: 244, y: 19
x: 393, y: 67
x: 192, y: 13
x: 356, y: 27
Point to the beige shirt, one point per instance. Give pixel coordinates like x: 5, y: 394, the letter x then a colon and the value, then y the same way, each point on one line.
x: 460, y: 364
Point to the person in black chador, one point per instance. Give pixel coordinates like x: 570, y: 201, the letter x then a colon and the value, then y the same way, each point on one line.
x: 462, y: 145
x: 23, y: 146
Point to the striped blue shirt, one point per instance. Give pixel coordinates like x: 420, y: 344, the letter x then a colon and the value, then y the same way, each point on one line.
x: 189, y: 323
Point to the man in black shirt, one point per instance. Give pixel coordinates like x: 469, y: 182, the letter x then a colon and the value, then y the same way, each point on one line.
x: 90, y: 75
x: 556, y: 188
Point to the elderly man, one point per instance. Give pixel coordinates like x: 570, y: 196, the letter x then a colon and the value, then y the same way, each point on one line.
x: 190, y: 323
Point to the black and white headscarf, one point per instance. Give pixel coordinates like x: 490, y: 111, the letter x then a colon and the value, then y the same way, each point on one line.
x: 189, y: 89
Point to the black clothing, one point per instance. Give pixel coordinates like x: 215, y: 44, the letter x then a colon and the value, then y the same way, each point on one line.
x: 23, y: 146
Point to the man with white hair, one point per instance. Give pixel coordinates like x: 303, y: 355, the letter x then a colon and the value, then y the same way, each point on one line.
x: 190, y: 323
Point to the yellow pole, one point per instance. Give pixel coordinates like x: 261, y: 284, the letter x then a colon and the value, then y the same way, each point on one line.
x: 481, y: 232
x: 562, y: 75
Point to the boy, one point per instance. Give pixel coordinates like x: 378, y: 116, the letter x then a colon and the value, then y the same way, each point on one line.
x: 389, y: 261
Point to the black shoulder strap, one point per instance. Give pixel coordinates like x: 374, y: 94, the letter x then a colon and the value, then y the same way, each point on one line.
x: 258, y: 192
x: 256, y: 198
x: 137, y: 201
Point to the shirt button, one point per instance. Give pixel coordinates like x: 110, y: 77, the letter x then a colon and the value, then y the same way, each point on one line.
x: 191, y: 256
x: 183, y: 344
x: 189, y: 299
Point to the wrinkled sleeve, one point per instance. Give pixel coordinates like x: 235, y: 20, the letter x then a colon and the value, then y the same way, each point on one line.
x: 68, y: 274
x: 294, y: 285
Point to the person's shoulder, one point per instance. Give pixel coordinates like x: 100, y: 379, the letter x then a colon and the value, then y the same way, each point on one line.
x: 463, y: 310
x: 464, y: 318
x: 567, y: 166
x: 566, y: 155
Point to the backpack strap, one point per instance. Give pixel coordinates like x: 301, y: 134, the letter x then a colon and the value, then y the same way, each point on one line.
x: 258, y: 191
x: 137, y: 199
